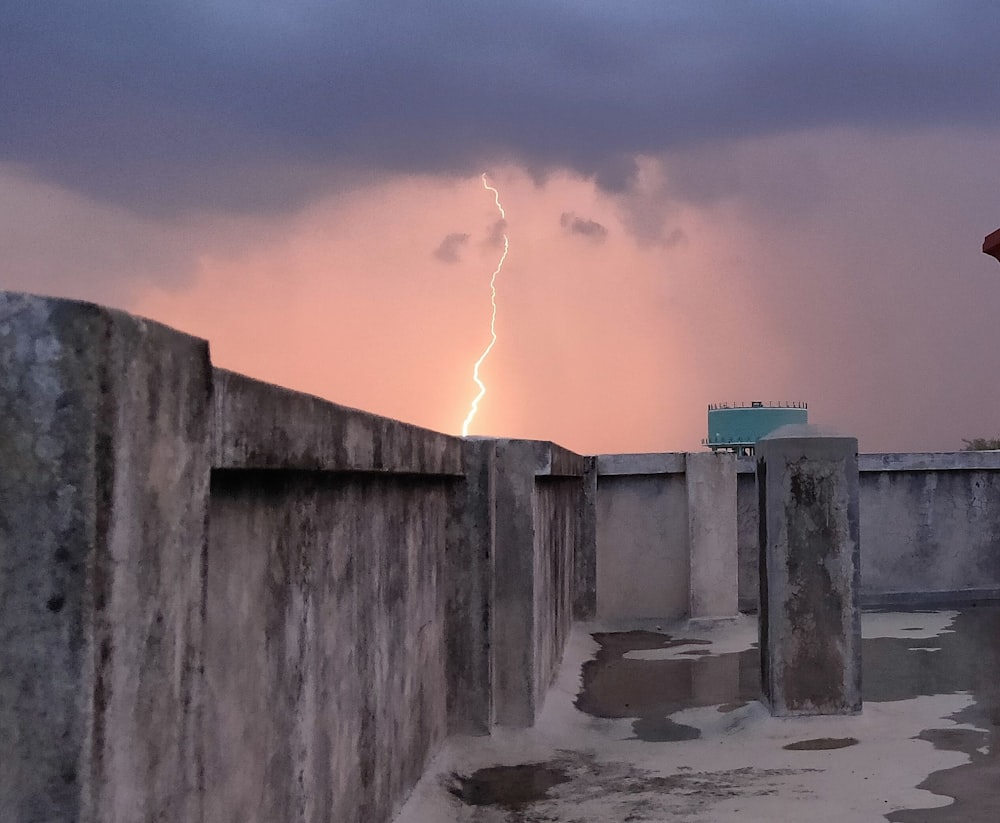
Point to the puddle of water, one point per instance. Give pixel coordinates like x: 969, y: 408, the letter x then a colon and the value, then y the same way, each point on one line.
x: 614, y: 686
x: 523, y: 792
x: 967, y: 659
x: 509, y: 787
x: 663, y: 730
x: 821, y: 744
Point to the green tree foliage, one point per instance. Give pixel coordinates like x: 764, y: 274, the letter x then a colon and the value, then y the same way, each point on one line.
x: 981, y: 444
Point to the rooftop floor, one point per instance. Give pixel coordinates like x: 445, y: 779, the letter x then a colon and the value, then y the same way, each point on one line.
x: 651, y: 723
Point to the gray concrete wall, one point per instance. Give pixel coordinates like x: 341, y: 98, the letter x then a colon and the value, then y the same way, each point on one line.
x: 469, y: 591
x: 930, y: 528
x: 557, y: 534
x: 325, y: 637
x: 643, y: 563
x: 104, y: 485
x: 392, y: 583
x: 930, y: 524
x: 585, y: 589
x: 930, y: 531
x: 747, y: 536
x: 711, y: 494
x: 540, y: 524
x: 513, y: 636
x: 326, y: 628
x: 290, y: 641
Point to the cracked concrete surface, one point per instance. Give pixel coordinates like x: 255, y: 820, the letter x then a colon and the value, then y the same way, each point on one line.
x: 647, y: 723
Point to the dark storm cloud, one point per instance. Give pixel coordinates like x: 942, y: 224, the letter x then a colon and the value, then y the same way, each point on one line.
x: 578, y: 225
x: 447, y: 252
x: 188, y: 104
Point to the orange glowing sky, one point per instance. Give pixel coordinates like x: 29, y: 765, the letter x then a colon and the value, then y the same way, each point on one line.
x: 734, y: 221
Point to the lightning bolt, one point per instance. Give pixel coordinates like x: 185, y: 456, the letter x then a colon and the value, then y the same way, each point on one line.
x: 493, y: 317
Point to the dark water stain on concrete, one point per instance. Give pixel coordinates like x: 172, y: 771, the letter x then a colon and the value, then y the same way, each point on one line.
x: 663, y: 730
x: 967, y: 660
x: 821, y: 744
x: 614, y: 686
x: 509, y: 787
x: 527, y: 792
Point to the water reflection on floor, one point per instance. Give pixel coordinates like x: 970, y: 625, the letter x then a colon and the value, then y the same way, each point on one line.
x: 617, y: 685
x: 964, y: 658
x: 649, y: 676
x: 648, y: 725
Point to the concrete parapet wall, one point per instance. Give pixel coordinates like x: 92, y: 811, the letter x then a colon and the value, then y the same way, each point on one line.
x: 222, y: 600
x: 556, y: 513
x: 325, y: 637
x: 930, y: 528
x: 711, y: 493
x: 640, y: 464
x: 539, y: 523
x: 930, y: 531
x: 747, y: 540
x: 260, y: 426
x: 104, y: 471
x: 643, y: 540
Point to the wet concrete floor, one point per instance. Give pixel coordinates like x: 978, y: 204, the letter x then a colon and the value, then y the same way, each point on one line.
x: 667, y: 685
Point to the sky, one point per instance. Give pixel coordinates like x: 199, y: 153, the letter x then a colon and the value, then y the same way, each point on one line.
x: 705, y: 202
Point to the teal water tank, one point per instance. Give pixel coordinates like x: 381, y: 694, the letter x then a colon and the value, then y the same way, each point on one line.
x: 738, y: 426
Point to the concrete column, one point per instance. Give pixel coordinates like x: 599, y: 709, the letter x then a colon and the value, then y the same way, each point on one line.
x: 469, y: 582
x: 711, y: 492
x: 810, y: 628
x: 585, y: 585
x: 104, y: 476
x: 514, y: 584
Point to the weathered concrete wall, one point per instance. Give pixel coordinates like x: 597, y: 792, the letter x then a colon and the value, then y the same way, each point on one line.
x: 103, y: 481
x: 556, y: 513
x: 328, y: 605
x: 469, y: 591
x: 325, y: 643
x: 747, y: 538
x: 643, y: 548
x: 513, y: 637
x: 109, y: 427
x: 539, y: 526
x: 930, y: 524
x: 585, y: 589
x: 930, y: 528
x: 711, y: 493
x: 260, y: 426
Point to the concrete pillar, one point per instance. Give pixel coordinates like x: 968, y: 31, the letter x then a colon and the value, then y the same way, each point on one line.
x: 810, y: 628
x: 104, y: 481
x: 469, y: 582
x: 711, y: 491
x: 585, y: 586
x: 513, y: 643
